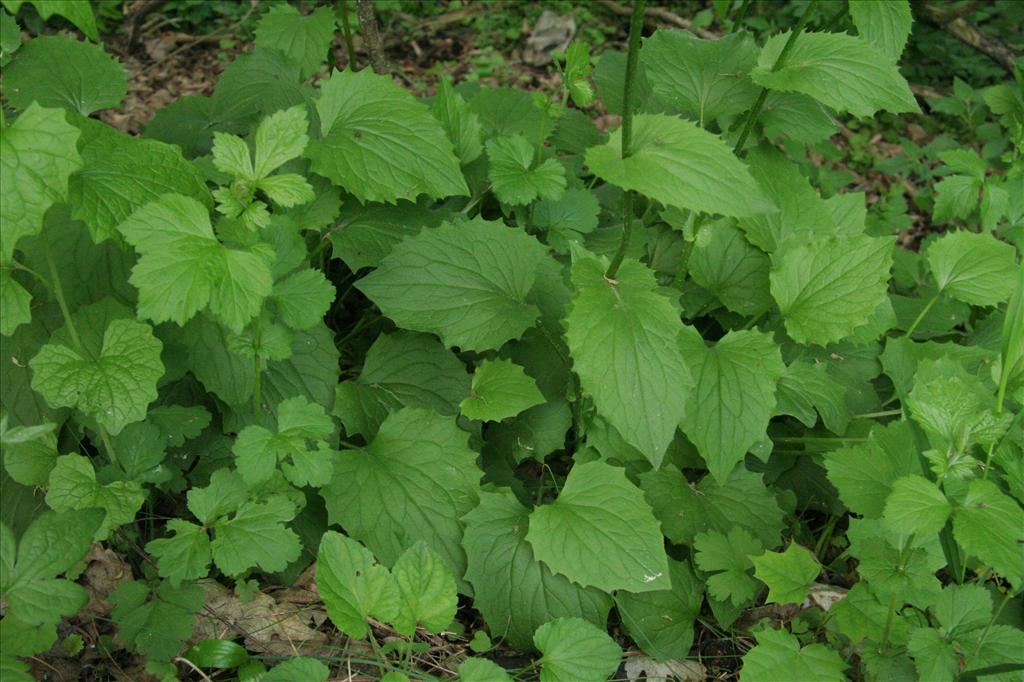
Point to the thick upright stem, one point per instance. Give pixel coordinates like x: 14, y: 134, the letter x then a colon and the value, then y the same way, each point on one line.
x: 779, y: 62
x: 371, y: 35
x: 636, y: 24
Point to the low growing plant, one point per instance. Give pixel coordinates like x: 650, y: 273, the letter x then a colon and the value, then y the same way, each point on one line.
x: 490, y: 366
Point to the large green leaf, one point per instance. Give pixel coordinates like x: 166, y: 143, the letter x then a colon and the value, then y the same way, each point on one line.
x: 466, y: 282
x: 426, y: 591
x: 990, y: 526
x: 974, y: 268
x: 838, y: 70
x: 575, y: 650
x: 381, y: 144
x: 59, y: 71
x: 662, y: 622
x: 675, y: 162
x: 886, y: 25
x: 415, y: 481
x: 622, y: 337
x: 514, y: 591
x: 353, y: 585
x: 601, y: 532
x: 828, y: 288
x: 38, y: 154
x: 734, y: 396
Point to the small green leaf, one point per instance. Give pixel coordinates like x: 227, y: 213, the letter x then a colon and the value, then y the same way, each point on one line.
x: 426, y: 591
x: 574, y: 650
x: 779, y: 656
x: 990, y: 526
x: 482, y: 670
x: 973, y: 268
x: 788, y: 574
x: 300, y: 442
x: 727, y: 558
x: 185, y: 556
x: 662, y: 622
x: 73, y: 486
x: 886, y: 25
x: 916, y: 505
x: 300, y: 668
x: 513, y: 176
x: 459, y: 121
x: 280, y: 138
x: 256, y: 536
x: 155, y: 624
x: 304, y: 40
x: 217, y: 653
x: 500, y: 389
x: 353, y: 585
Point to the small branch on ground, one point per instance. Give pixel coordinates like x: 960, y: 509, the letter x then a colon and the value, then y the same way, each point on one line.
x: 954, y: 24
x: 661, y: 14
x: 371, y: 35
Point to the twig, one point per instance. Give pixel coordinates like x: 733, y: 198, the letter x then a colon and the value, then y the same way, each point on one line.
x: 662, y: 14
x: 371, y: 35
x: 195, y: 668
x: 954, y: 24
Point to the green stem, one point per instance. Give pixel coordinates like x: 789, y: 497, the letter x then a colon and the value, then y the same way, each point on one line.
x: 684, y: 263
x: 742, y: 13
x: 888, y: 622
x: 346, y: 30
x: 541, y: 135
x: 883, y: 413
x: 636, y: 23
x: 920, y: 316
x: 58, y: 292
x: 991, y: 622
x: 756, y: 110
x: 257, y: 396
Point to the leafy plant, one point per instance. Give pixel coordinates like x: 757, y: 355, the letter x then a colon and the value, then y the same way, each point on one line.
x: 478, y: 349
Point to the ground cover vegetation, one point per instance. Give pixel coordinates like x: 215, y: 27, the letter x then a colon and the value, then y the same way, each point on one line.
x: 703, y: 360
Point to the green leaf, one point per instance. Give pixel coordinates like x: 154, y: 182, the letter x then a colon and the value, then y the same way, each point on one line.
x: 727, y: 558
x: 177, y: 245
x: 426, y: 591
x: 973, y: 268
x: 909, y: 575
x: 934, y: 657
x: 38, y: 153
x: 675, y: 162
x: 514, y: 591
x: 185, y: 556
x: 466, y: 282
x: 280, y: 138
x: 788, y: 574
x: 806, y: 387
x: 886, y: 25
x: 567, y: 218
x: 353, y: 585
x: 574, y: 650
x: 796, y: 117
x: 256, y: 536
x: 500, y: 390
x: 577, y: 70
x: 370, y: 233
x: 59, y: 71
x: 916, y: 505
x: 415, y: 370
x: 514, y: 179
x: 779, y: 656
x: 303, y: 298
x: 801, y: 209
x: 300, y: 442
x: 726, y: 265
x: 415, y: 481
x: 828, y: 288
x: 116, y: 388
x: 662, y: 622
x: 254, y: 85
x: 622, y: 336
x: 460, y: 123
x: 703, y: 79
x: 124, y: 173
x: 304, y: 40
x: 956, y: 197
x: 15, y: 303
x: 990, y: 526
x: 734, y: 396
x: 600, y: 532
x: 10, y: 35
x: 73, y: 486
x: 535, y: 433
x: 482, y: 670
x: 839, y: 71
x: 78, y: 13
x: 379, y: 143
x: 301, y: 668
x: 155, y: 624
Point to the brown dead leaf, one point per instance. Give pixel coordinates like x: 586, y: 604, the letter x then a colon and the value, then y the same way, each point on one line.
x: 104, y: 571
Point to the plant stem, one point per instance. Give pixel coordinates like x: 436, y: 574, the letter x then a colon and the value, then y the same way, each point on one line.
x: 346, y: 30
x: 636, y: 23
x: 257, y: 397
x: 58, y: 292
x: 742, y: 13
x: 779, y: 62
x: 920, y: 316
x: 883, y: 413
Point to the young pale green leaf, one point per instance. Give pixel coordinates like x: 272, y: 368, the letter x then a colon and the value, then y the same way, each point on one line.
x: 662, y: 622
x: 675, y: 162
x: 256, y: 536
x: 567, y: 218
x: 353, y: 585
x: 155, y: 624
x: 601, y: 532
x: 304, y: 40
x: 828, y: 288
x: 231, y: 155
x: 702, y: 79
x: 973, y: 268
x: 886, y: 25
x: 39, y: 154
x: 622, y: 336
x: 724, y: 263
x: 121, y: 174
x: 734, y: 396
x: 574, y: 650
x: 838, y: 70
x: 60, y: 71
x: 482, y: 670
x: 287, y: 189
x: 116, y: 388
x: 727, y: 559
x: 414, y: 482
x: 379, y: 143
x: 426, y: 591
x: 466, y: 282
x: 459, y: 121
x: 514, y: 179
x: 779, y: 656
x: 514, y: 591
x: 303, y: 298
x: 183, y: 268
x: 300, y: 442
x: 500, y: 390
x: 185, y: 556
x: 916, y: 505
x: 788, y: 574
x: 280, y: 138
x: 990, y: 526
x: 73, y: 486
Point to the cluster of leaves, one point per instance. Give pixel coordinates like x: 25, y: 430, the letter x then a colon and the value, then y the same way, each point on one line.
x: 556, y: 371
